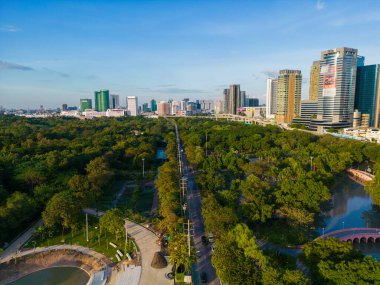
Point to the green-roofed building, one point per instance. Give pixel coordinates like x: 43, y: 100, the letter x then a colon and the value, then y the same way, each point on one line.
x: 85, y: 104
x: 102, y: 100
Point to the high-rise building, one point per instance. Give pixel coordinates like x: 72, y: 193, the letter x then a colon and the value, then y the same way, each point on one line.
x: 114, y: 101
x: 219, y: 106
x: 252, y: 102
x: 102, y: 100
x: 234, y: 99
x: 145, y: 107
x: 314, y: 81
x: 367, y: 92
x: 243, y: 97
x: 175, y: 107
x: 206, y: 105
x: 64, y: 107
x: 132, y: 106
x: 288, y: 95
x: 360, y: 61
x: 226, y: 100
x: 336, y: 92
x: 153, y: 105
x: 271, y: 104
x: 163, y: 108
x: 85, y: 104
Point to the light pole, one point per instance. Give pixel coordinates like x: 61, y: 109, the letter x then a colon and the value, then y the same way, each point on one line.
x: 323, y: 231
x: 311, y: 162
x: 343, y: 224
x: 143, y: 160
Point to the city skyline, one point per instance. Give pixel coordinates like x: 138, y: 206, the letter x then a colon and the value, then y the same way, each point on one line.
x: 135, y: 50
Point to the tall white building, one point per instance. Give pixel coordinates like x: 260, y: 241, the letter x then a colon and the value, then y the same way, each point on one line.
x: 114, y: 101
x: 271, y: 98
x: 175, y: 107
x: 132, y: 105
x: 219, y: 106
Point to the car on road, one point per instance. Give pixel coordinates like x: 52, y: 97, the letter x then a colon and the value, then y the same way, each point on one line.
x: 204, y: 277
x: 169, y: 275
x: 212, y: 248
x: 211, y: 237
x: 204, y: 240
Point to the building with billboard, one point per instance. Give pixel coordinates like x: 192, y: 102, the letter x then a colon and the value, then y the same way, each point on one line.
x: 102, y: 100
x: 336, y: 92
x: 85, y: 104
x: 288, y: 95
x: 367, y: 92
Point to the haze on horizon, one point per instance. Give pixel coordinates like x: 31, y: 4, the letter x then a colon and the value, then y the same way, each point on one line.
x: 56, y: 52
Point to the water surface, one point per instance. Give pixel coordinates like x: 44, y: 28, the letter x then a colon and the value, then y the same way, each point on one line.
x: 55, y: 276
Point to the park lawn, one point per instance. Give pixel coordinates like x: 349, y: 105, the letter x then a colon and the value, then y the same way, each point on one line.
x: 79, y: 238
x: 137, y: 200
x: 105, y: 202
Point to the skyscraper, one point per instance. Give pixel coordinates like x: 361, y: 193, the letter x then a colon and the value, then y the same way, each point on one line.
x: 234, y: 99
x: 288, y: 95
x: 314, y: 81
x: 85, y: 104
x: 175, y: 107
x: 226, y: 101
x: 271, y: 104
x: 102, y: 100
x: 163, y: 108
x: 252, y: 102
x: 114, y: 101
x: 64, y: 107
x: 153, y: 105
x: 132, y: 105
x: 243, y: 97
x: 367, y: 93
x: 336, y: 92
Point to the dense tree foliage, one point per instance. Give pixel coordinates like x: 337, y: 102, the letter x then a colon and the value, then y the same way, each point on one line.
x: 272, y: 181
x: 47, y: 161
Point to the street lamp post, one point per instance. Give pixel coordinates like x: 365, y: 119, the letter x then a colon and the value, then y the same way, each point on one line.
x: 143, y: 160
x: 343, y: 224
x: 311, y: 162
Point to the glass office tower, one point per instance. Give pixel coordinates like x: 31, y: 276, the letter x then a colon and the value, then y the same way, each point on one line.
x: 102, y: 100
x: 85, y: 104
x: 367, y: 94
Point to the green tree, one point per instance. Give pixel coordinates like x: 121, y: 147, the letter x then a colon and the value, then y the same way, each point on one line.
x: 113, y: 222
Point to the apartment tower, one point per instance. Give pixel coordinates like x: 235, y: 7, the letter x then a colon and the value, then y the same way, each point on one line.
x: 288, y: 95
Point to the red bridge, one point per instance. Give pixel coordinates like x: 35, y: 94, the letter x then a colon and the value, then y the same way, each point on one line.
x: 355, y: 235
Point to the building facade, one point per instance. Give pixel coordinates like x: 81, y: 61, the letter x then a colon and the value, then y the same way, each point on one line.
x: 271, y: 103
x: 367, y: 92
x: 114, y: 101
x: 163, y: 108
x: 288, y: 95
x: 85, y: 104
x: 234, y: 99
x: 251, y: 102
x: 226, y: 101
x: 102, y: 100
x: 314, y: 81
x: 153, y: 105
x: 336, y: 92
x: 132, y: 106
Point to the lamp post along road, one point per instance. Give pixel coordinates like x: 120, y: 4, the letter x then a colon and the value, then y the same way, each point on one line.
x: 143, y: 161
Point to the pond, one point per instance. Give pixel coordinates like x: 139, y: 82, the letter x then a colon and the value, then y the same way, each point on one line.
x: 55, y: 276
x: 352, y: 207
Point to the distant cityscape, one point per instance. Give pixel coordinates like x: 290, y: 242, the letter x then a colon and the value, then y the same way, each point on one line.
x: 344, y: 94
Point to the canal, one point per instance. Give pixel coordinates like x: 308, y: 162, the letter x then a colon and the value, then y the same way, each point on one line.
x: 352, y: 207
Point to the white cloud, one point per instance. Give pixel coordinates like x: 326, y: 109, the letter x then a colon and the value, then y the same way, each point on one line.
x: 320, y: 5
x: 9, y: 29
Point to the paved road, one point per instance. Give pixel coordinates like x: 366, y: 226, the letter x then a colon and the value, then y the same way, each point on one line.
x: 146, y: 241
x: 13, y: 248
x: 194, y: 202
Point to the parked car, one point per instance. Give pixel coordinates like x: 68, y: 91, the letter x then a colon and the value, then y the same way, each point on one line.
x: 169, y: 275
x: 204, y: 277
x: 212, y: 248
x: 204, y: 240
x: 211, y: 237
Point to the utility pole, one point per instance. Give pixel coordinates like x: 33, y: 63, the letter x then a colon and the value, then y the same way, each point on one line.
x: 188, y: 236
x: 206, y: 144
x: 87, y: 227
x: 143, y: 160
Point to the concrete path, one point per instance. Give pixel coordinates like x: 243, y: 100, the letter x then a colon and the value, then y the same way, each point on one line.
x: 146, y: 241
x: 129, y: 275
x: 14, y: 247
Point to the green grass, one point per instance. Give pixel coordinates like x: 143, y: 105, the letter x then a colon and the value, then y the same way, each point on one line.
x: 79, y: 238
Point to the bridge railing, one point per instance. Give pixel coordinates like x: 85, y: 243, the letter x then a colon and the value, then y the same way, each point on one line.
x: 350, y: 231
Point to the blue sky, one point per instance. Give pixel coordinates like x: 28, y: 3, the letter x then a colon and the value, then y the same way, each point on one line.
x: 54, y: 52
